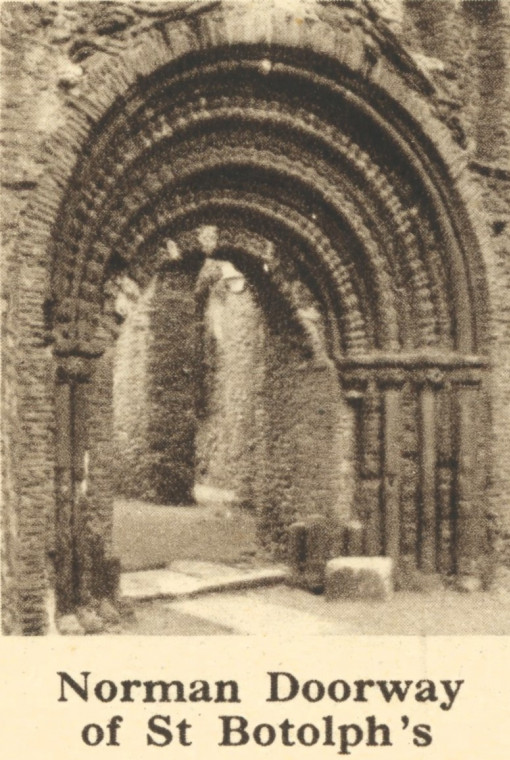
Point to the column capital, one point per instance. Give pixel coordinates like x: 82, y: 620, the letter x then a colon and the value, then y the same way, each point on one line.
x: 432, y: 377
x: 74, y: 369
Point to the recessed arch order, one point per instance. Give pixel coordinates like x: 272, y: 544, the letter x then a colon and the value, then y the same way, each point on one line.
x: 300, y: 143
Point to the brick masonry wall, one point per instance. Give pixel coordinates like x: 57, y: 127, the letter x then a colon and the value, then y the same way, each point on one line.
x: 154, y: 393
x: 309, y: 437
x: 466, y: 50
x: 171, y: 389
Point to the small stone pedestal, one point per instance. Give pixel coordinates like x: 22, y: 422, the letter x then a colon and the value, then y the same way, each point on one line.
x: 359, y: 578
x: 308, y: 549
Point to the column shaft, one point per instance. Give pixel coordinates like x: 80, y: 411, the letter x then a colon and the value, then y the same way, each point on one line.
x: 64, y: 497
x: 467, y: 496
x: 80, y: 448
x: 428, y: 515
x: 391, y: 474
x: 370, y: 470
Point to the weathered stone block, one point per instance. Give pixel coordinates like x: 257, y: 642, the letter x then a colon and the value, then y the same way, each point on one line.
x: 108, y: 612
x: 69, y: 625
x: 359, y: 577
x: 89, y: 620
x: 468, y: 583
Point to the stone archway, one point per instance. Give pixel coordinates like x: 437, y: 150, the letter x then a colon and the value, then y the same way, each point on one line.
x: 307, y: 135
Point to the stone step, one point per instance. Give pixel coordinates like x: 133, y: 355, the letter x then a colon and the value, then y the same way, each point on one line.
x: 187, y: 578
x: 251, y: 615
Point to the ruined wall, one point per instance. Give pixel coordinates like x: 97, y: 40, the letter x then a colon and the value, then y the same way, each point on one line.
x: 309, y: 431
x: 186, y: 398
x: 154, y: 375
x: 466, y: 50
x: 171, y: 389
x: 30, y: 90
x: 228, y: 450
x: 185, y: 390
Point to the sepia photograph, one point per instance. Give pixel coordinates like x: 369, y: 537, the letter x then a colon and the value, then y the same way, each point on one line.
x: 255, y: 328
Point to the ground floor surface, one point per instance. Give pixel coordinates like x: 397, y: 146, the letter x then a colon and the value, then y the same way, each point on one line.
x: 151, y: 539
x: 281, y: 610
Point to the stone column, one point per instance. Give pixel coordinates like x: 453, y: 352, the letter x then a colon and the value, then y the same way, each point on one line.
x: 70, y: 436
x: 392, y: 470
x: 428, y: 517
x: 84, y: 566
x: 445, y: 429
x: 64, y: 497
x: 468, y: 523
x: 99, y: 569
x: 370, y: 452
x: 80, y: 466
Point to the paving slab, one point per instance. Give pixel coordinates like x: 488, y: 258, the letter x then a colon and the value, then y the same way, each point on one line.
x: 252, y: 616
x: 208, y: 570
x: 189, y: 578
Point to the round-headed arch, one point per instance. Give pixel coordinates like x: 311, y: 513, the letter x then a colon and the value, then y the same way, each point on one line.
x: 332, y: 161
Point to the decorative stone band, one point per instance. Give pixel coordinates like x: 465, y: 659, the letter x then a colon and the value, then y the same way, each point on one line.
x: 421, y: 368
